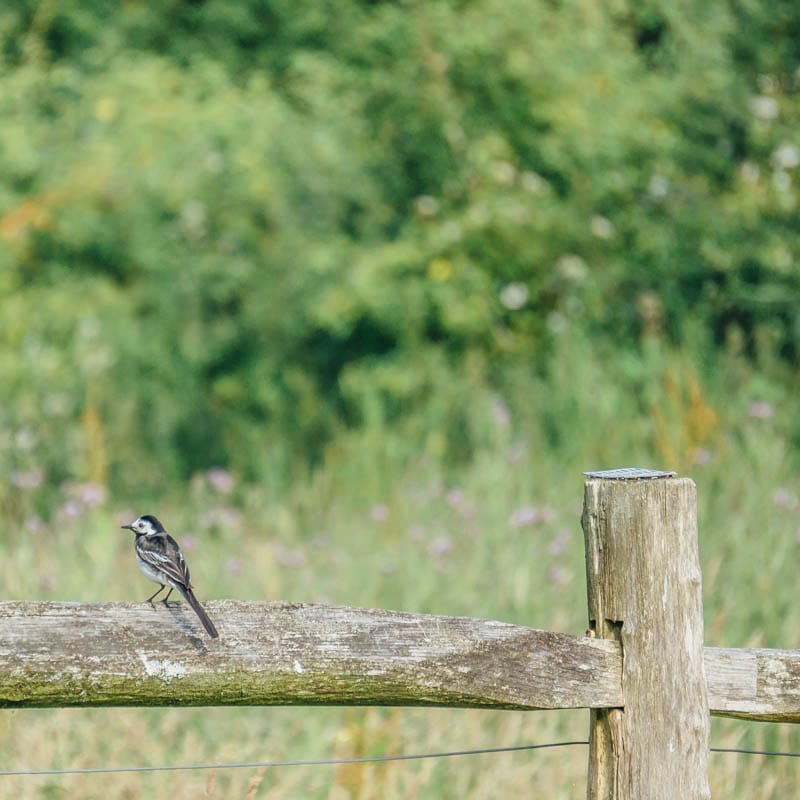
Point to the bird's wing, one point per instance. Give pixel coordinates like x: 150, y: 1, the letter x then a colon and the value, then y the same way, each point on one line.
x: 169, y: 560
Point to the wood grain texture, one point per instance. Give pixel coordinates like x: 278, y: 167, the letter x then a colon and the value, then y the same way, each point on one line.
x: 644, y: 591
x: 71, y: 654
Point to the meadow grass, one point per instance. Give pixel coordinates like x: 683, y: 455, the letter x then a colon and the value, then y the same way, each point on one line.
x: 384, y: 522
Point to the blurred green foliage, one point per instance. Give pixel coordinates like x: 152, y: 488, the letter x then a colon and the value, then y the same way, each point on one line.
x: 231, y: 230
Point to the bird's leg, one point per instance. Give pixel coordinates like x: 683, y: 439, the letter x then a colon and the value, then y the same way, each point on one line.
x: 157, y: 591
x: 165, y: 599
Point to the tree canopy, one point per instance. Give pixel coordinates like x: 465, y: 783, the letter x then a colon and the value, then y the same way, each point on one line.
x: 231, y: 228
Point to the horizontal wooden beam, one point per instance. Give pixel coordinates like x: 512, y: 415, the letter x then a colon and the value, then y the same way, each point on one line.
x: 756, y: 684
x: 128, y: 654
x: 123, y: 654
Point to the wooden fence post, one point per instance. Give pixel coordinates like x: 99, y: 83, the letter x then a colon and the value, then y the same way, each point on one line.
x: 644, y: 590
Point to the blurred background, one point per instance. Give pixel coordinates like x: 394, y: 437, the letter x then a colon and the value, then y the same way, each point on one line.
x: 350, y: 294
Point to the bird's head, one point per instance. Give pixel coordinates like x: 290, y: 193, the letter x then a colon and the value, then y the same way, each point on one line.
x: 146, y: 525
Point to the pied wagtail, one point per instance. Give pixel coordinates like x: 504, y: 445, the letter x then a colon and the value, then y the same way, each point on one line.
x: 160, y: 560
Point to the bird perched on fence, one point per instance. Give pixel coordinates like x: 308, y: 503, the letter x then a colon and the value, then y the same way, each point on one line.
x: 160, y: 560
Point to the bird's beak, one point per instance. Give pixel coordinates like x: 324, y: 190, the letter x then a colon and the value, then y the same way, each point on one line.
x: 129, y: 526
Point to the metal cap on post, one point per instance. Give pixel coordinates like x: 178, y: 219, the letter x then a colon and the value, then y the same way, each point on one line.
x: 644, y: 590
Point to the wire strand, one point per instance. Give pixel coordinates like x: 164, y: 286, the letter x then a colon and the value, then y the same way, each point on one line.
x: 297, y: 763
x: 747, y: 752
x: 354, y: 760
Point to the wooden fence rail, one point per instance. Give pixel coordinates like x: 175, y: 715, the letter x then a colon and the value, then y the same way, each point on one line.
x: 58, y: 655
x: 643, y: 669
x: 61, y: 654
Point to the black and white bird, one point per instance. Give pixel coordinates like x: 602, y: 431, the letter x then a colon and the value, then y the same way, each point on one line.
x: 160, y: 560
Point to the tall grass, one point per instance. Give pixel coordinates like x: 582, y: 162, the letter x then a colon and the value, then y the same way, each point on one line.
x: 388, y: 521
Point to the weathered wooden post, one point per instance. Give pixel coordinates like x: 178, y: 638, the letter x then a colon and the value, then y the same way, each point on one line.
x: 644, y: 589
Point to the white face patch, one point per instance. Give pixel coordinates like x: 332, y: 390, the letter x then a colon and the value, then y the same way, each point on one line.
x: 145, y: 526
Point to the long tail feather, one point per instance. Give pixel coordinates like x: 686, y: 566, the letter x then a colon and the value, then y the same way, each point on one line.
x: 200, y: 611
